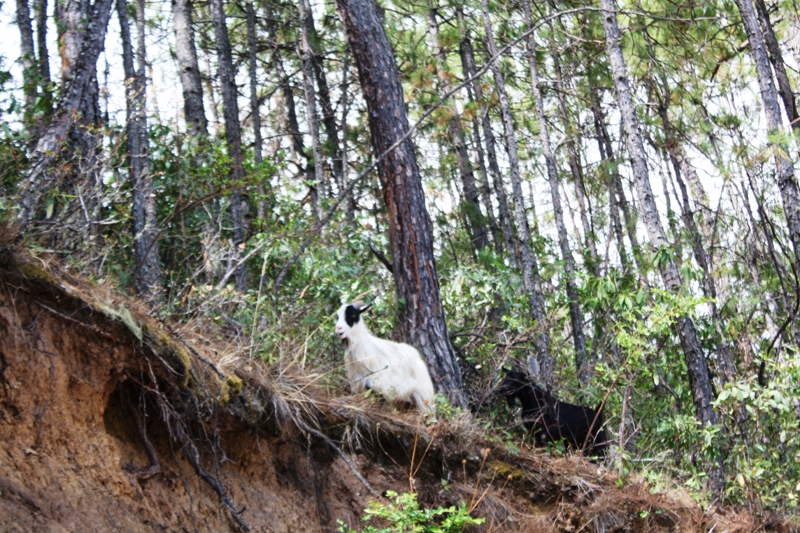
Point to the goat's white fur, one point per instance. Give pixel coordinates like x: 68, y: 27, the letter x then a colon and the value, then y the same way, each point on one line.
x: 396, y: 370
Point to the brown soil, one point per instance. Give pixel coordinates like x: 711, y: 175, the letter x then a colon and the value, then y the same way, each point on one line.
x: 110, y: 422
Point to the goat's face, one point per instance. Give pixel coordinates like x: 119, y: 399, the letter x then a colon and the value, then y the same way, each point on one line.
x: 347, y: 317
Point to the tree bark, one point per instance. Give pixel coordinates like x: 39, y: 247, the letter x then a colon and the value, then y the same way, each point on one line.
x: 311, y: 104
x: 43, y: 57
x: 479, y: 237
x: 251, y: 66
x: 188, y: 68
x: 145, y: 225
x: 530, y: 268
x: 233, y: 137
x: 410, y: 232
x: 699, y: 379
x: 27, y: 60
x: 575, y: 311
x: 39, y: 179
x: 775, y: 56
x: 769, y: 96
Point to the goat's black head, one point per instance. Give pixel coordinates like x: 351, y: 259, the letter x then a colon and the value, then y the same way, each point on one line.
x: 348, y: 316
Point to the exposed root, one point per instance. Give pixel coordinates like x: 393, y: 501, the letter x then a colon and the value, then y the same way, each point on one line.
x: 305, y: 427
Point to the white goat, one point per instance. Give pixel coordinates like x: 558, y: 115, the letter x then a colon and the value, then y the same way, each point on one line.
x: 394, y: 369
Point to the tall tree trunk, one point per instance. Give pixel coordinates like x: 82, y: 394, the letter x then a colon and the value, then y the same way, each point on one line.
x: 83, y: 179
x: 410, y: 229
x: 769, y: 96
x: 43, y: 57
x: 311, y: 104
x: 680, y: 162
x: 575, y: 311
x: 584, y: 205
x: 27, y: 60
x: 39, y: 179
x: 471, y: 202
x: 326, y: 106
x: 775, y: 56
x: 695, y: 360
x: 615, y: 188
x: 255, y: 107
x: 530, y: 268
x: 253, y: 72
x: 71, y: 18
x: 233, y: 137
x: 148, y: 278
x: 290, y: 111
x: 468, y: 64
x: 188, y: 68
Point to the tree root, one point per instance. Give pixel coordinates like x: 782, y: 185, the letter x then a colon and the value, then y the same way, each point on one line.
x: 305, y: 427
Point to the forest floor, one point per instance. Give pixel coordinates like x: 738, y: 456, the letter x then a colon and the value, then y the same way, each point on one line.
x: 113, y: 421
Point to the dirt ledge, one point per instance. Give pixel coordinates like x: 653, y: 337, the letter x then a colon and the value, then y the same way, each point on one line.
x: 111, y: 421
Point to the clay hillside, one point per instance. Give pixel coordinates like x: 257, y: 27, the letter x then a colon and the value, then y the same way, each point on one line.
x: 114, y: 421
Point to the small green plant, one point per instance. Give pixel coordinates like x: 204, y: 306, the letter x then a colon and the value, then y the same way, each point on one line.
x: 404, y: 515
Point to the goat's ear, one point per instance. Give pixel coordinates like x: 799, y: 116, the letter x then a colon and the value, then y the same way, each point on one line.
x: 364, y: 309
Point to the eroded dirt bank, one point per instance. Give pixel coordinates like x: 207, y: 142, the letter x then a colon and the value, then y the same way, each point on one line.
x: 110, y: 422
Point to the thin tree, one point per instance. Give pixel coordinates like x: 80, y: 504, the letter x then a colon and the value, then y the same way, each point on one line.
x: 699, y: 379
x: 575, y: 311
x: 145, y: 225
x: 776, y: 57
x: 769, y: 97
x: 27, y: 60
x: 542, y: 367
x: 504, y: 213
x: 306, y: 59
x: 42, y: 56
x: 584, y: 203
x: 233, y: 137
x: 410, y: 232
x: 188, y: 68
x: 479, y: 237
x: 291, y: 124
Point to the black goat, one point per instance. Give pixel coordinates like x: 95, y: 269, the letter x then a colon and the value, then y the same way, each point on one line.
x: 552, y: 420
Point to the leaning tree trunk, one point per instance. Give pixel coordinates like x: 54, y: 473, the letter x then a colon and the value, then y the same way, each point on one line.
x: 695, y: 360
x: 148, y: 278
x: 39, y: 178
x: 233, y: 137
x: 188, y: 68
x: 575, y: 311
x: 479, y: 237
x: 769, y: 96
x: 410, y: 229
x: 530, y: 268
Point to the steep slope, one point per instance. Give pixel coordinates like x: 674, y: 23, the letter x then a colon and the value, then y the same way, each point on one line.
x: 110, y: 421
